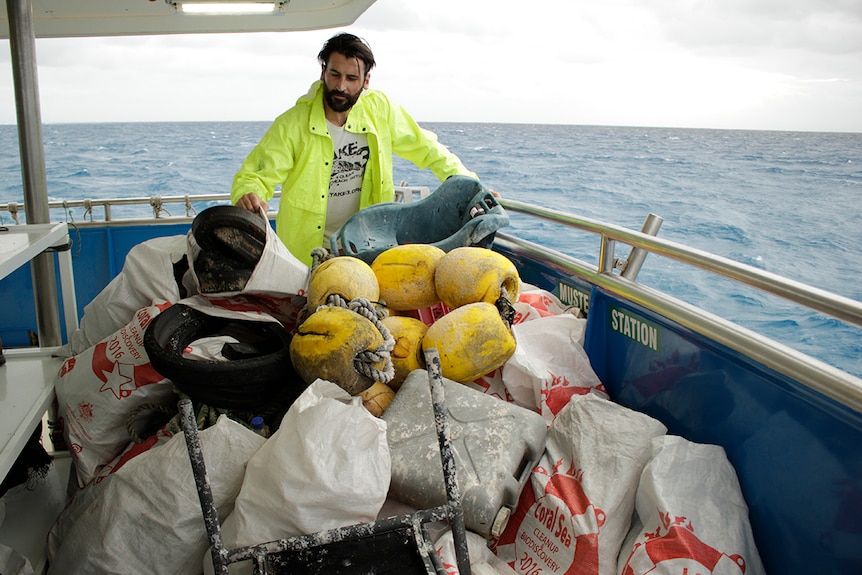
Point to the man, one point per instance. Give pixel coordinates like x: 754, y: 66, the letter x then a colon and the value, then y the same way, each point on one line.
x: 332, y: 152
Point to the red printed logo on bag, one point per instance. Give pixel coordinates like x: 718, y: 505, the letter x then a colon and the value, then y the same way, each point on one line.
x: 121, y: 378
x: 557, y: 532
x: 558, y: 390
x: 67, y: 366
x: 674, y: 547
x: 85, y: 411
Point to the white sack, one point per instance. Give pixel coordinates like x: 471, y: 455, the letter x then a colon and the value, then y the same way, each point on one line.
x: 692, y: 515
x: 577, y: 507
x: 278, y: 272
x: 550, y: 365
x: 482, y: 559
x: 327, y: 466
x: 98, y: 389
x: 146, y: 519
x: 147, y: 277
x: 13, y: 563
x: 534, y: 303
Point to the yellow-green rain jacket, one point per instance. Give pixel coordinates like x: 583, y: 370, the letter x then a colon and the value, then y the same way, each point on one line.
x: 296, y: 152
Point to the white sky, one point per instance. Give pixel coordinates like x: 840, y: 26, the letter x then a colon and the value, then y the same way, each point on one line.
x: 752, y: 64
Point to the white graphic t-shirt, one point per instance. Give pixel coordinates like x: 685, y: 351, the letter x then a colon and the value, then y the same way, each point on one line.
x: 348, y: 167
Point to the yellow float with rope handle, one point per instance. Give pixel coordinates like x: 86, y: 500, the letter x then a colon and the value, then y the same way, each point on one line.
x: 471, y: 274
x: 472, y: 340
x: 345, y: 276
x: 344, y: 343
x: 405, y: 275
x: 407, y: 354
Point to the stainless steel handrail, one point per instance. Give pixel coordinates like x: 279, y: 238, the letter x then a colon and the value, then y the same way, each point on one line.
x: 834, y: 305
x: 829, y: 380
x: 403, y: 193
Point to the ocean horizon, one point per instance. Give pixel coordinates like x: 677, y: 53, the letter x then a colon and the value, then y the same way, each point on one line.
x: 788, y: 202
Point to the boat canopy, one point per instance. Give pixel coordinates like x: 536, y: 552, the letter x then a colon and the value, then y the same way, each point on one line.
x: 73, y: 18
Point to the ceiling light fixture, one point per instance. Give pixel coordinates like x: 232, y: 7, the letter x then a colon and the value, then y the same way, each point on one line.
x: 215, y: 7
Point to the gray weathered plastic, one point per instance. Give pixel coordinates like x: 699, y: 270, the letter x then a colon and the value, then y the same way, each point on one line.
x: 461, y: 212
x: 496, y: 445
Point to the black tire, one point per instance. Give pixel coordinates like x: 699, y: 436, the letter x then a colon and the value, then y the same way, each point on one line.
x: 262, y: 372
x: 220, y: 273
x: 232, y: 231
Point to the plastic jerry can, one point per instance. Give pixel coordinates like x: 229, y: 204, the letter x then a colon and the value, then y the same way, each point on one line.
x: 496, y: 445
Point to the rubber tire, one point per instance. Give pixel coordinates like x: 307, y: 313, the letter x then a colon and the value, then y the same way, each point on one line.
x: 209, y: 230
x: 243, y: 383
x: 220, y: 273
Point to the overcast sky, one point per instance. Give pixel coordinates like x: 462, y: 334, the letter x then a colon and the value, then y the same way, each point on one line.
x: 753, y: 64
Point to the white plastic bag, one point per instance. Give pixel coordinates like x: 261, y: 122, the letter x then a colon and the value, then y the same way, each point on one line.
x: 482, y: 559
x: 691, y: 515
x: 278, y: 272
x: 13, y: 563
x: 534, y: 303
x: 538, y: 376
x: 147, y: 277
x: 99, y: 389
x: 327, y: 466
x: 146, y: 519
x: 577, y: 507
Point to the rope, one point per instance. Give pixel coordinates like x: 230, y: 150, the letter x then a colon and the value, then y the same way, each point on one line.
x: 318, y: 256
x: 505, y: 307
x: 158, y: 208
x: 189, y: 207
x: 70, y: 219
x: 13, y: 211
x: 365, y: 361
x: 206, y: 415
x: 88, y: 209
x: 135, y: 414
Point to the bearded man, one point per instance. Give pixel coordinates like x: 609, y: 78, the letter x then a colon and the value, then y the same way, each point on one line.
x: 331, y: 153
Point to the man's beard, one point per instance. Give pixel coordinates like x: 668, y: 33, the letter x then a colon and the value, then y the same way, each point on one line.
x: 340, y: 101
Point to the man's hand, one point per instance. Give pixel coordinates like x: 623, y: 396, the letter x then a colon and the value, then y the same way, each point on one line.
x: 252, y: 202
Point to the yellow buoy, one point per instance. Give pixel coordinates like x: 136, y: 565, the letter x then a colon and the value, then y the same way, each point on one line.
x: 407, y: 354
x: 327, y: 343
x: 472, y: 340
x: 348, y: 277
x: 377, y: 398
x: 405, y: 275
x: 471, y: 274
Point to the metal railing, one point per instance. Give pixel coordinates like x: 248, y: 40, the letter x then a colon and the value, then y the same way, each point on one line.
x: 160, y: 205
x: 842, y: 387
x: 834, y: 305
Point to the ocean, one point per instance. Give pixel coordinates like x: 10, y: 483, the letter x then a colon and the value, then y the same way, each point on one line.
x: 785, y: 202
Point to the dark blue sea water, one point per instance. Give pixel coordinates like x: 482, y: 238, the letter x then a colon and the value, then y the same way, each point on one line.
x: 789, y: 203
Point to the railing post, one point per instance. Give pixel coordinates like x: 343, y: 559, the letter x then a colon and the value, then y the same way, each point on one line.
x: 638, y: 255
x: 606, y: 255
x: 22, y: 41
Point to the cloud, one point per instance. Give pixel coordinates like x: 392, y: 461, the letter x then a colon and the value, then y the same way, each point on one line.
x: 688, y: 63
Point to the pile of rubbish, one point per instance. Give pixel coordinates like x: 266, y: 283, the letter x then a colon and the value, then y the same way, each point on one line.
x: 311, y: 397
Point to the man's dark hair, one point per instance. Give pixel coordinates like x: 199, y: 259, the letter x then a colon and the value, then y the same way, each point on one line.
x: 349, y: 46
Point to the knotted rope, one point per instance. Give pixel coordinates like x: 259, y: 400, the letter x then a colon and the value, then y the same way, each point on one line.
x: 318, y: 256
x: 365, y: 361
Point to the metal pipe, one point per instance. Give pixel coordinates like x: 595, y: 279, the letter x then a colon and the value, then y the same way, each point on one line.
x: 205, y: 494
x: 22, y: 42
x: 638, y: 255
x: 447, y: 458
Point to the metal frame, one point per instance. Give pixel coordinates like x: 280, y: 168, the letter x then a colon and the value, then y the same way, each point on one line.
x: 412, y: 524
